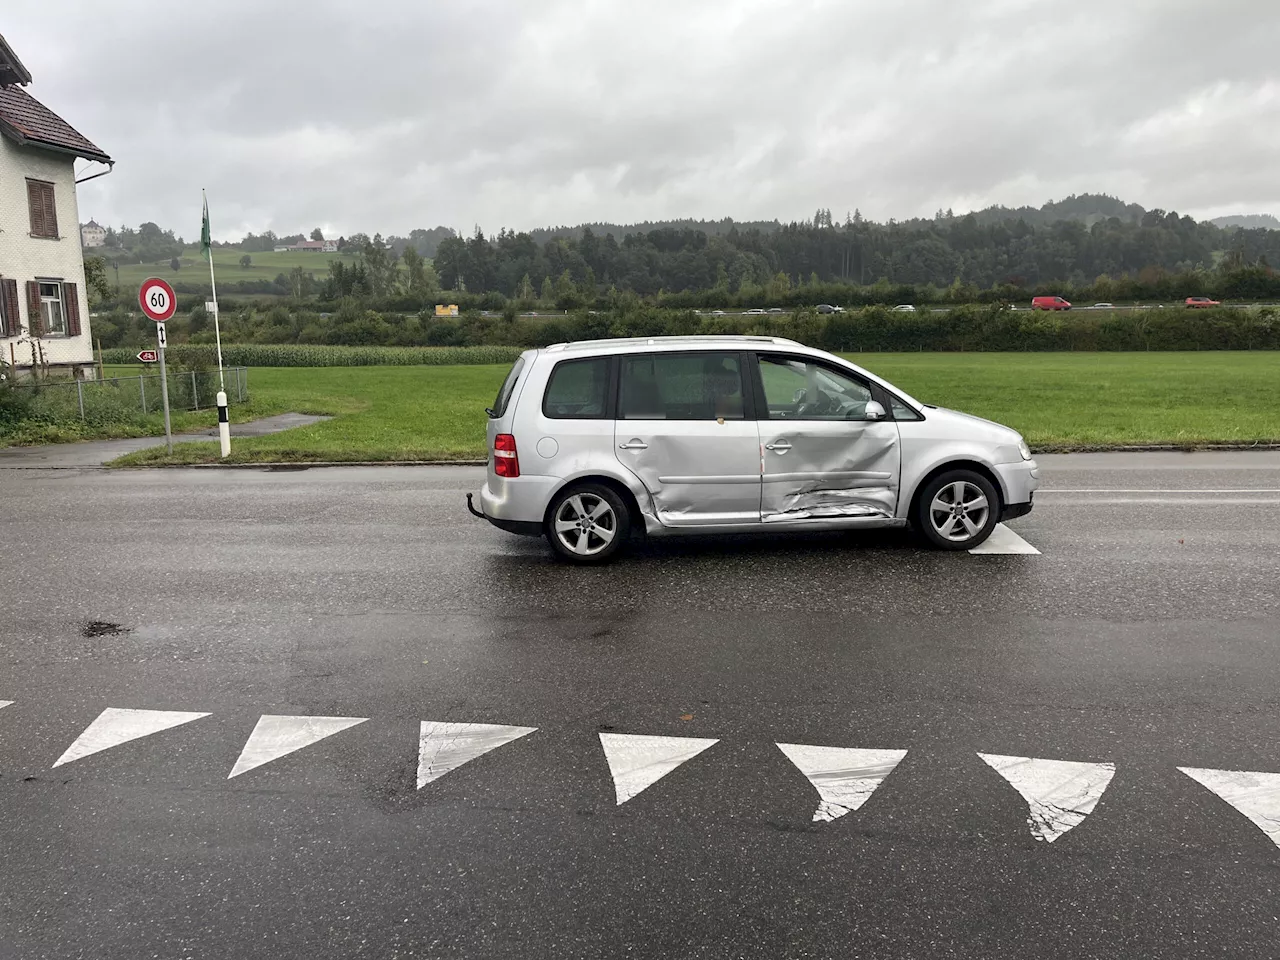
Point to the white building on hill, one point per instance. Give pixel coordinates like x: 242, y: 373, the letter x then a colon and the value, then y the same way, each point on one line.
x: 93, y: 234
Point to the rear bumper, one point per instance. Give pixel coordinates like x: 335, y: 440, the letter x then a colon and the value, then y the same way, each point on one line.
x: 517, y: 505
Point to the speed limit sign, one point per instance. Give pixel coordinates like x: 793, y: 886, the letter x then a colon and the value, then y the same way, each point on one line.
x: 157, y: 299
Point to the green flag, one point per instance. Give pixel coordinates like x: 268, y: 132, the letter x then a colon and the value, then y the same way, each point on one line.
x: 206, y: 245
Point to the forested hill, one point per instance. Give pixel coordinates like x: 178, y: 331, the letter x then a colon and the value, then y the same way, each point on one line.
x: 1251, y: 221
x: 1070, y: 243
x: 1088, y: 208
x: 1073, y: 241
x: 712, y: 228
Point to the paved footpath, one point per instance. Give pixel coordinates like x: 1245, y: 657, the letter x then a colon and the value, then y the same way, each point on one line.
x: 94, y: 453
x: 326, y: 713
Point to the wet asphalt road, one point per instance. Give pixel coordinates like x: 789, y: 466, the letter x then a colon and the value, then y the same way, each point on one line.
x: 1147, y: 634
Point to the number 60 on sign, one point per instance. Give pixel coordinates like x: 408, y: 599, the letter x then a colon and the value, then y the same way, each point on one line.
x: 157, y: 299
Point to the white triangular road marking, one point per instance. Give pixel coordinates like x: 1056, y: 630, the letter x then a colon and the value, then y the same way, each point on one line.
x: 638, y: 762
x: 1060, y: 793
x: 278, y: 736
x: 5, y: 703
x: 1004, y: 540
x: 444, y: 746
x: 845, y: 777
x: 116, y: 726
x: 1256, y: 795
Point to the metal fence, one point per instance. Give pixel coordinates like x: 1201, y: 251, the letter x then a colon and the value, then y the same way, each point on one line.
x: 93, y: 399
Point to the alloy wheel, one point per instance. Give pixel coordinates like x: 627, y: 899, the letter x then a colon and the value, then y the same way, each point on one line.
x: 959, y: 511
x: 585, y: 524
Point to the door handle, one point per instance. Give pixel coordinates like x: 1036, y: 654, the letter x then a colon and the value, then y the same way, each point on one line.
x: 633, y: 445
x: 781, y: 446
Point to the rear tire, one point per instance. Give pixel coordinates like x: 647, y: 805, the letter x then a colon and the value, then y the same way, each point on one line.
x: 587, y: 523
x: 957, y: 510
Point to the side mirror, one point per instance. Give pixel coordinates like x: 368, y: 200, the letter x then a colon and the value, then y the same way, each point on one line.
x: 874, y: 411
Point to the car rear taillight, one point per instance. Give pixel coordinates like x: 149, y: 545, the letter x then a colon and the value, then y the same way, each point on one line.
x: 505, y: 461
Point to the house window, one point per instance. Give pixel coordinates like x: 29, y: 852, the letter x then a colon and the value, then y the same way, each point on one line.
x: 44, y: 214
x: 53, y: 314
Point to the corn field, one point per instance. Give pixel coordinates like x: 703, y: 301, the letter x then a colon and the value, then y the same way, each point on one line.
x: 307, y: 355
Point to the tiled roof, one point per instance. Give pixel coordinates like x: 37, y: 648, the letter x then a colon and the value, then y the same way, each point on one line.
x: 28, y: 121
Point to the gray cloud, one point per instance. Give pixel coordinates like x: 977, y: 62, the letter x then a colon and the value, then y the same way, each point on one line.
x: 397, y: 114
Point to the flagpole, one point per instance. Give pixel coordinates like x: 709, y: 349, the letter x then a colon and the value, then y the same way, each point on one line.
x: 213, y: 286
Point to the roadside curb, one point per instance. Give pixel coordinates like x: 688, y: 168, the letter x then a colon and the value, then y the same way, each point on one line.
x: 283, y: 465
x: 1154, y: 447
x: 286, y: 465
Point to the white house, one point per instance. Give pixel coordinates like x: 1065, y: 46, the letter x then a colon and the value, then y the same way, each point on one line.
x: 92, y: 234
x: 44, y: 308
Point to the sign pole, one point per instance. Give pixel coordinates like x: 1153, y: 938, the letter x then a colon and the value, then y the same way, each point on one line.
x: 159, y: 304
x: 164, y: 388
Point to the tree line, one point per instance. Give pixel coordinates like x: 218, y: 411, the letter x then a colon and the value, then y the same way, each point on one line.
x: 1086, y: 246
x: 1077, y: 243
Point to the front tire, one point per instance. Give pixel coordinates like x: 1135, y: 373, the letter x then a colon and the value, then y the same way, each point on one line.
x: 957, y: 510
x: 588, y: 523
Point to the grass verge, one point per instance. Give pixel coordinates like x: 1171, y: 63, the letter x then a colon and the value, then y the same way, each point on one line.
x: 1059, y: 401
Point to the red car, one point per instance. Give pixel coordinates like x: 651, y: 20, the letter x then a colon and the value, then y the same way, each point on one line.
x: 1049, y: 303
x: 1202, y: 302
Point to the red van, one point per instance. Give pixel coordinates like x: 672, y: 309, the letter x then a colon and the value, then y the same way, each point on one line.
x: 1049, y: 303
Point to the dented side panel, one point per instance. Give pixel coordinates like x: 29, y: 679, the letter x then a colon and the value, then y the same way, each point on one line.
x: 696, y: 471
x: 831, y: 468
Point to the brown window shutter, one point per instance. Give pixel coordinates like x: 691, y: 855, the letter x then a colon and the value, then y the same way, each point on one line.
x: 71, y: 304
x: 50, y: 212
x: 35, y: 203
x: 35, y: 320
x: 9, y: 308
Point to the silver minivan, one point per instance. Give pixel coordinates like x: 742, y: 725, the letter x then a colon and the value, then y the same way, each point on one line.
x: 593, y: 442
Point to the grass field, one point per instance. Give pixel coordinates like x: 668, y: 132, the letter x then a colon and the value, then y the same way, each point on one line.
x: 1058, y: 401
x: 195, y: 269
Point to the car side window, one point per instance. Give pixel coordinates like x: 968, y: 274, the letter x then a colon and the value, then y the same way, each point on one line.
x: 681, y: 386
x: 795, y: 389
x: 577, y: 390
x: 508, y: 387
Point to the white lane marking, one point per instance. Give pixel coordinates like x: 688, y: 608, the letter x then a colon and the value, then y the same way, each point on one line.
x: 444, y: 746
x: 1213, y: 501
x: 277, y: 736
x: 1059, y: 793
x: 1044, y: 490
x: 845, y: 777
x: 116, y: 726
x: 5, y: 703
x: 1004, y: 540
x: 638, y: 762
x: 1256, y: 795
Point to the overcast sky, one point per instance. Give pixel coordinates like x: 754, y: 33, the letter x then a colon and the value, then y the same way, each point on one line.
x: 385, y: 115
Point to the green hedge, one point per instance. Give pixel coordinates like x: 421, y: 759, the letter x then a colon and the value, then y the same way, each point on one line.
x: 302, y: 355
x: 991, y: 328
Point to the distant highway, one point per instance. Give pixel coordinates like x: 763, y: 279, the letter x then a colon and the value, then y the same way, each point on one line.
x: 922, y: 309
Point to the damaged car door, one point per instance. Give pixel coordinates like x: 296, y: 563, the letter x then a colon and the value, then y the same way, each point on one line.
x: 829, y: 452
x: 684, y: 429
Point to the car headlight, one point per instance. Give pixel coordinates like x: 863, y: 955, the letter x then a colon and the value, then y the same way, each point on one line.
x: 1024, y: 449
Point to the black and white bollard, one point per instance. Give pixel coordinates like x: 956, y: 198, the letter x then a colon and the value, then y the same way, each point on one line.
x: 224, y: 425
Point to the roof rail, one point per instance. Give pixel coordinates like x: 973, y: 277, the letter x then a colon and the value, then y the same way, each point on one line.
x: 661, y: 341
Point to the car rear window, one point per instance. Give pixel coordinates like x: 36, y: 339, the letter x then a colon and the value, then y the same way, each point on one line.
x: 504, y: 392
x: 578, y: 390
